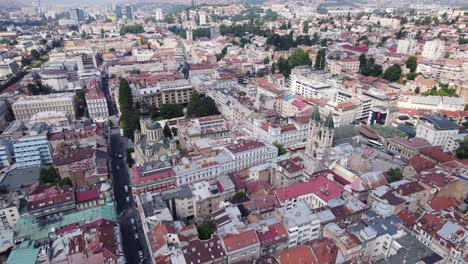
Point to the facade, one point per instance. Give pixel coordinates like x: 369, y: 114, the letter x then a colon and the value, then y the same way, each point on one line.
x: 30, y: 145
x: 96, y: 102
x: 168, y: 92
x: 57, y: 79
x: 291, y: 134
x: 436, y: 129
x: 453, y: 142
x: 406, y: 46
x: 433, y: 49
x: 436, y: 103
x: 27, y: 106
x: 301, y: 223
x: 310, y: 88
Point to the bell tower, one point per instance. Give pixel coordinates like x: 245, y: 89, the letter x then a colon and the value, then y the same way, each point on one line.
x: 314, y: 128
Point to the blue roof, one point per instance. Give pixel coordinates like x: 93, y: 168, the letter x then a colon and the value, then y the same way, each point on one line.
x: 407, y: 130
x: 25, y: 253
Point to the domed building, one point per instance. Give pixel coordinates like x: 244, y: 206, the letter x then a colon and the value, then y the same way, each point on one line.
x: 151, y: 145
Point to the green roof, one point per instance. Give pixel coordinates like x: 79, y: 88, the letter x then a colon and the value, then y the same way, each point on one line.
x: 329, y: 121
x: 27, y: 227
x: 386, y: 131
x: 316, y: 115
x: 25, y: 253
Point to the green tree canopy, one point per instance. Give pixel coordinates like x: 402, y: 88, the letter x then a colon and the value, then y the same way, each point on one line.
x: 412, y: 63
x: 133, y: 29
x: 201, y: 105
x: 320, y: 60
x: 206, y: 229
x: 392, y: 73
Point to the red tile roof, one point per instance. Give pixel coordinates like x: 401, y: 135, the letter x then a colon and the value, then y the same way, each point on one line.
x: 234, y: 242
x: 244, y: 145
x: 296, y: 255
x: 436, y: 154
x: 442, y: 203
x: 88, y: 195
x: 204, y: 251
x: 409, y: 218
x: 420, y: 164
x: 321, y: 186
x: 51, y: 197
x: 272, y: 234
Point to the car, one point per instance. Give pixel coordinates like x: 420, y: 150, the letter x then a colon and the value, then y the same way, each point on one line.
x: 398, y: 156
x: 118, y: 167
x: 128, y: 199
x: 120, y: 155
x: 140, y: 254
x: 136, y: 236
x: 132, y: 221
x: 126, y: 188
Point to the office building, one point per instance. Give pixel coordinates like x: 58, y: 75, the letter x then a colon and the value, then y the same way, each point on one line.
x: 28, y: 106
x: 78, y: 15
x: 129, y: 11
x: 158, y: 14
x: 168, y: 92
x: 436, y: 129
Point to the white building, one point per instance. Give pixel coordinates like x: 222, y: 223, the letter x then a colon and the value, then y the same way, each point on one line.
x: 158, y: 14
x: 406, y: 46
x: 234, y: 157
x: 302, y: 224
x: 307, y: 87
x: 142, y: 54
x: 435, y: 103
x: 291, y: 134
x: 453, y: 142
x: 55, y: 78
x: 96, y: 103
x: 27, y: 106
x: 7, y: 68
x: 436, y: 129
x: 433, y: 49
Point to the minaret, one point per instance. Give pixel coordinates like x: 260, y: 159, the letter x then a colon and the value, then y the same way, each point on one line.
x: 314, y: 127
x: 327, y: 132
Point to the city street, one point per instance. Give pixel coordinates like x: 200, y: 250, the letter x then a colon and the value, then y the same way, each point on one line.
x: 126, y: 210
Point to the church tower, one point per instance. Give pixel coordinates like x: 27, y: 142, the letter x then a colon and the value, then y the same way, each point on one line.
x: 327, y: 131
x: 314, y: 128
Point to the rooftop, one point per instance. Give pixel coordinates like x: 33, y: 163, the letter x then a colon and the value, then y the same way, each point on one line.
x: 321, y: 186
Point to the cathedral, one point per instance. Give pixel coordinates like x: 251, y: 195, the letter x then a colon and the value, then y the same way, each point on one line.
x: 320, y: 136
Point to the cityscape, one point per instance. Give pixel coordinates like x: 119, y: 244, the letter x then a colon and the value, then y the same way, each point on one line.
x: 240, y: 131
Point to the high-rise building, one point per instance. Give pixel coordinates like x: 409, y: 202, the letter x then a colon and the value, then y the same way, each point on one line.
x: 202, y: 16
x: 158, y: 14
x: 433, y: 49
x: 129, y: 11
x: 118, y: 11
x: 77, y: 15
x: 406, y: 46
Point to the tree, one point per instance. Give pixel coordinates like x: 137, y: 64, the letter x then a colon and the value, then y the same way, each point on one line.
x: 130, y: 115
x: 417, y: 90
x: 281, y: 149
x: 305, y: 26
x: 128, y: 157
x: 238, y: 197
x: 201, y: 105
x: 174, y: 131
x: 25, y: 61
x: 206, y: 229
x: 82, y: 108
x: 35, y: 54
x: 48, y: 175
x: 411, y: 75
x: 412, y: 63
x: 169, y: 111
x: 64, y: 182
x: 320, y: 60
x: 394, y: 174
x: 392, y: 73
x: 362, y: 61
x: 266, y: 60
x: 273, y: 68
x: 133, y: 29
x: 167, y: 131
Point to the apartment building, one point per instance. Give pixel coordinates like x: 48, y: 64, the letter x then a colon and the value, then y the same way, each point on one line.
x: 8, y: 68
x: 433, y: 49
x: 27, y: 106
x: 406, y: 46
x: 167, y: 92
x: 96, y: 102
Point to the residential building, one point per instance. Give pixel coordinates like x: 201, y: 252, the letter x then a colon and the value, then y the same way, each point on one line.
x: 301, y: 223
x: 205, y: 251
x: 27, y: 106
x: 291, y: 134
x: 240, y: 247
x: 307, y: 85
x: 96, y: 102
x: 436, y: 129
x: 316, y: 193
x: 52, y: 201
x: 453, y: 142
x: 209, y: 197
x: 407, y: 46
x: 433, y: 49
x: 435, y: 103
x: 167, y: 92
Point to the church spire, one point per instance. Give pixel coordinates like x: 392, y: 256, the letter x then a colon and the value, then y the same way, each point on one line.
x: 315, y: 115
x: 329, y: 122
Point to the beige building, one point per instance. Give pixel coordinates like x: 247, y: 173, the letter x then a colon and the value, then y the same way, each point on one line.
x: 168, y: 92
x: 28, y: 106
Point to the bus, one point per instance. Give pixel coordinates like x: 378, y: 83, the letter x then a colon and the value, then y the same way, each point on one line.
x: 375, y: 143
